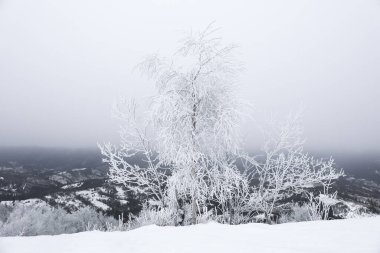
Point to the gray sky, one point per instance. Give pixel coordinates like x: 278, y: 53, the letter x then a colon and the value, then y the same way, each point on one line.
x: 63, y: 63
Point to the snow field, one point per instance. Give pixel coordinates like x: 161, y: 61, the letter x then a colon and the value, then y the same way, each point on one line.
x: 361, y: 235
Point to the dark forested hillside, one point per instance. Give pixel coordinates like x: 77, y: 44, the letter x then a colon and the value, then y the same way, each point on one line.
x: 58, y: 174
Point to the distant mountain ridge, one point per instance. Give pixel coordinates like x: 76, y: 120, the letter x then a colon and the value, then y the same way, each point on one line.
x: 72, y: 178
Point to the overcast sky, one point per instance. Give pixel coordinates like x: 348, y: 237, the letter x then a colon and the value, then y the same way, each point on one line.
x: 63, y: 63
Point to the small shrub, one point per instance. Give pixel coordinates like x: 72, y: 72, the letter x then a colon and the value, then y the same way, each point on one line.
x: 298, y: 213
x: 156, y: 216
x: 45, y: 220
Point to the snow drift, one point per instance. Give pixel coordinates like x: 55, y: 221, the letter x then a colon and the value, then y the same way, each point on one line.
x: 352, y: 235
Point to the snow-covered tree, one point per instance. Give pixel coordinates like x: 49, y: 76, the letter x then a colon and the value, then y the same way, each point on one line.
x: 195, y: 112
x: 194, y: 116
x: 192, y: 160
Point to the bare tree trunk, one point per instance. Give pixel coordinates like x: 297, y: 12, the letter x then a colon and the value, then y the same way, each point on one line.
x: 194, y: 201
x: 193, y: 169
x: 180, y: 217
x: 194, y: 211
x: 231, y: 212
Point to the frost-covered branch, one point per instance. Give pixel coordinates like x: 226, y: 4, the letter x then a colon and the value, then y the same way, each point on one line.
x: 285, y: 169
x: 147, y: 178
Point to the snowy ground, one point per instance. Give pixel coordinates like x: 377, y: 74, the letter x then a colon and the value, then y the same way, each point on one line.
x: 353, y: 235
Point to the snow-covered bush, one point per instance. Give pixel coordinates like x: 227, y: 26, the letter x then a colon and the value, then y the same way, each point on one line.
x: 301, y: 212
x: 316, y: 208
x: 285, y: 170
x: 5, y: 210
x: 168, y: 217
x: 45, y: 220
x: 156, y: 216
x: 297, y: 213
x: 348, y: 210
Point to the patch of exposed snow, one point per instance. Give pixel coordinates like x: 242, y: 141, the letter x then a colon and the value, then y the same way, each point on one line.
x: 78, y: 169
x: 95, y: 198
x: 68, y: 201
x: 71, y: 186
x: 27, y: 202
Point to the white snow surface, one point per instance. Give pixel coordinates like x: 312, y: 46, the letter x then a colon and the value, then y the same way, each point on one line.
x: 71, y: 186
x: 346, y: 236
